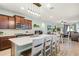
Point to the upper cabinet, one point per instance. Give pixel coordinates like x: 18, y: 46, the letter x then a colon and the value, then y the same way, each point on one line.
x: 17, y: 19
x: 11, y: 22
x: 4, y: 22
x: 22, y: 23
x: 17, y: 22
x: 29, y: 24
x: 14, y: 22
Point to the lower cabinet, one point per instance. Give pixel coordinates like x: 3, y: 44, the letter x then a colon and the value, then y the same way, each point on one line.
x: 5, y: 43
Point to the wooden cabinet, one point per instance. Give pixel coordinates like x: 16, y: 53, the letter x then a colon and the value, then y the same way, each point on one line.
x: 17, y: 19
x: 4, y: 22
x: 5, y: 43
x: 16, y: 22
x: 26, y: 24
x: 19, y: 22
x: 22, y: 21
x: 7, y: 22
x: 11, y: 22
x: 29, y: 24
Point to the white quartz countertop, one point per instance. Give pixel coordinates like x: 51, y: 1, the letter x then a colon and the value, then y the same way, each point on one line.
x: 6, y: 35
x: 20, y: 41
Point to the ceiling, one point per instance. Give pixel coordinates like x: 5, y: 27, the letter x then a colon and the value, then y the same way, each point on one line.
x: 67, y: 12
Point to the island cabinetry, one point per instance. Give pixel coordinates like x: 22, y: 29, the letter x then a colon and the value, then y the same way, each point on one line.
x: 5, y: 43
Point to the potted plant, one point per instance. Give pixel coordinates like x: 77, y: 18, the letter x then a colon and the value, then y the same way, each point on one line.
x: 36, y: 26
x: 58, y: 29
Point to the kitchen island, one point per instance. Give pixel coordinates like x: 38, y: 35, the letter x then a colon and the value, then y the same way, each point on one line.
x: 22, y: 43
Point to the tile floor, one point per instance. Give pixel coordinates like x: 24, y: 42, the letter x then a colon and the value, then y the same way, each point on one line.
x: 6, y: 52
x: 70, y: 48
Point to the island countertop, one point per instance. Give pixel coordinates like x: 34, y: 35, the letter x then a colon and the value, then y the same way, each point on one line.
x: 20, y: 44
x: 20, y: 41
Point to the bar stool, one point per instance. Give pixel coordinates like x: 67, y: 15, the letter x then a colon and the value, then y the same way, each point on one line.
x: 57, y: 37
x: 37, y: 48
x: 54, y: 45
x: 47, y: 46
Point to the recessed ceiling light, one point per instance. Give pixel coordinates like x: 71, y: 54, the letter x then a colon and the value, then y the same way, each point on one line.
x: 22, y: 8
x: 48, y: 5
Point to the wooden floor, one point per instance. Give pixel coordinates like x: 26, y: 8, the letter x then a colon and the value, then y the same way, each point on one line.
x: 68, y: 48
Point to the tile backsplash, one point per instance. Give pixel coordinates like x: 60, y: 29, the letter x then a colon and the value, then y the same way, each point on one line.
x: 15, y: 31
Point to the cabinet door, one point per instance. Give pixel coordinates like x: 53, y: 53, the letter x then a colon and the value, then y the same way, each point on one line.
x: 29, y: 24
x: 18, y: 19
x: 18, y: 22
x: 0, y: 43
x: 22, y: 21
x: 4, y: 22
x: 26, y: 24
x: 11, y: 23
x: 5, y: 43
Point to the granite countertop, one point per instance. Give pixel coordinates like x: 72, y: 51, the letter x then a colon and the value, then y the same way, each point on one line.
x: 20, y: 41
x: 18, y: 34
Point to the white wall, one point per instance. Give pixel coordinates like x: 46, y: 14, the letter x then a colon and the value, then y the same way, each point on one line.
x: 8, y: 12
